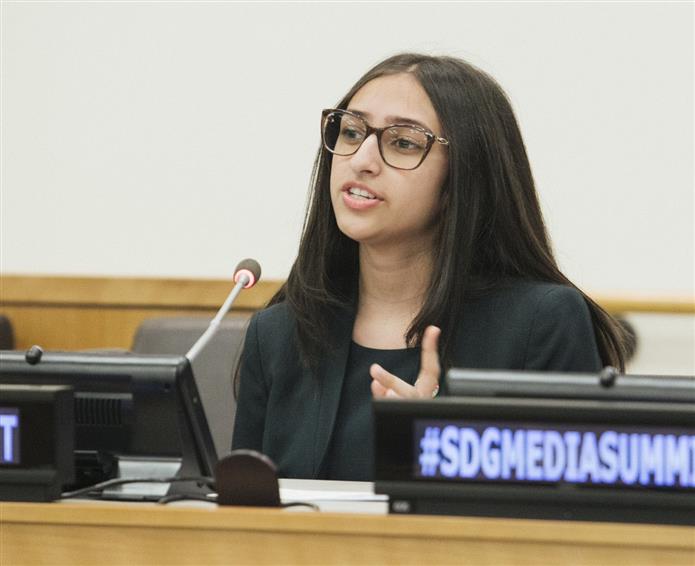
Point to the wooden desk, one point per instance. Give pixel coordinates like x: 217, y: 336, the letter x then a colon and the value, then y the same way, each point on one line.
x: 105, y: 534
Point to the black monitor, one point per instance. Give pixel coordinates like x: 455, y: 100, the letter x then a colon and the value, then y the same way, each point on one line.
x: 543, y: 445
x: 135, y: 416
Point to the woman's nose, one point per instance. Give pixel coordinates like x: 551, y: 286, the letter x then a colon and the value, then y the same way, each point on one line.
x: 367, y: 159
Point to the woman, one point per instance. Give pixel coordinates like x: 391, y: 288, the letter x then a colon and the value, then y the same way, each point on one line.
x: 423, y: 229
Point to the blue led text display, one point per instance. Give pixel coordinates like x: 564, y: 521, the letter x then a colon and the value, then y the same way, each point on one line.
x: 515, y: 452
x: 9, y: 436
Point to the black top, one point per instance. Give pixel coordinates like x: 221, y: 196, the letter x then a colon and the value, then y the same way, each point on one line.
x: 351, y: 450
x: 290, y: 412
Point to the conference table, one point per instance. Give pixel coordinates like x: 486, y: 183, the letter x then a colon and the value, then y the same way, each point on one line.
x: 352, y: 527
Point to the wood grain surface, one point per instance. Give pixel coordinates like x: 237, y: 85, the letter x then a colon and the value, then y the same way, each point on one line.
x: 105, y: 534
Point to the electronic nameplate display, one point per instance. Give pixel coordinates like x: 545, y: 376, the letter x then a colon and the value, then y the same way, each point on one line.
x: 36, y: 441
x: 554, y: 453
x: 559, y: 456
x: 9, y: 436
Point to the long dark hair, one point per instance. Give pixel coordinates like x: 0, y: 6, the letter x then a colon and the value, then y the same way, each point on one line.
x: 491, y: 226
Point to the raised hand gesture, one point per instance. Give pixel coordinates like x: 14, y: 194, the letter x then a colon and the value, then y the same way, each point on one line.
x: 385, y: 384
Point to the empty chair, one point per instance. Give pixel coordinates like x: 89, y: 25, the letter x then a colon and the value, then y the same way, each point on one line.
x: 6, y: 333
x: 213, y: 368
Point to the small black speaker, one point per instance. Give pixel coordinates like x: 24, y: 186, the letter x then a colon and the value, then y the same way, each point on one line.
x: 247, y: 477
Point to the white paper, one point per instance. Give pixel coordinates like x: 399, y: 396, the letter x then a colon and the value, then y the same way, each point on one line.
x: 290, y: 494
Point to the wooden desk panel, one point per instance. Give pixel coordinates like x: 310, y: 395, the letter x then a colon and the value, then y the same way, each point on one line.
x: 77, y: 534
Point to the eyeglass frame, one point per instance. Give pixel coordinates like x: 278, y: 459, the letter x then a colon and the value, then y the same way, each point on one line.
x: 431, y: 136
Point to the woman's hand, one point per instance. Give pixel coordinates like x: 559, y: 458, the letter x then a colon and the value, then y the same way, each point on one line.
x: 385, y: 384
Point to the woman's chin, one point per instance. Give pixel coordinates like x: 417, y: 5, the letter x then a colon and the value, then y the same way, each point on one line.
x: 372, y: 237
x: 359, y: 236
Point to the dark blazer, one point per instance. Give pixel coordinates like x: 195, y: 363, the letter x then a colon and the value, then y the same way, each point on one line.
x: 288, y: 414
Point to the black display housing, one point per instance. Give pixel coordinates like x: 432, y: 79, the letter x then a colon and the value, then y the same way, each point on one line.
x: 41, y: 444
x: 501, y: 397
x: 135, y: 415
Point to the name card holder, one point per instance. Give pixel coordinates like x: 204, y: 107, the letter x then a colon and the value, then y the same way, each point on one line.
x: 37, y: 434
x: 625, y: 457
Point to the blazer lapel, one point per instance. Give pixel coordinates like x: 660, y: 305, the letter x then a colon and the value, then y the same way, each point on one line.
x: 331, y: 377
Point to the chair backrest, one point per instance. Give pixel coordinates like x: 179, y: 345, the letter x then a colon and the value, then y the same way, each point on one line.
x: 212, y: 368
x: 6, y: 333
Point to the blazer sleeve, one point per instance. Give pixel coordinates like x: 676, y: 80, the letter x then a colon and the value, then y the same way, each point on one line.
x: 249, y: 422
x: 562, y: 335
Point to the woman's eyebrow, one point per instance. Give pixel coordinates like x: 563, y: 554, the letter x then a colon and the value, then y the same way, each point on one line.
x: 404, y: 120
x: 392, y: 119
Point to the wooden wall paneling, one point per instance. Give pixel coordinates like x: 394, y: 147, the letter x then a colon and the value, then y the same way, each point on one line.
x: 81, y: 328
x: 76, y: 313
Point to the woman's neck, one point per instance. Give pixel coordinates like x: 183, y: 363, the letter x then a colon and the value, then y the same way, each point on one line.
x: 395, y: 278
x: 392, y: 287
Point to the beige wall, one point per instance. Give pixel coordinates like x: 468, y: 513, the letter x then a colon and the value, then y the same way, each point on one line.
x: 142, y: 138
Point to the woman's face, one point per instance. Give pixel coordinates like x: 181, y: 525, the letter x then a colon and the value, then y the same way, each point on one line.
x: 406, y: 203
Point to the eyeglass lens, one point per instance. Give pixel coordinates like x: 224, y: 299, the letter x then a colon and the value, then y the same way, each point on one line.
x: 400, y: 146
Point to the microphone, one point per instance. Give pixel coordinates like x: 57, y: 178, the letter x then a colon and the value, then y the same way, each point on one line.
x: 246, y: 275
x: 251, y: 269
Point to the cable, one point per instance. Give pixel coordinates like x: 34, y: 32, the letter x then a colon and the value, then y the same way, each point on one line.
x: 208, y: 481
x: 99, y: 487
x: 301, y: 504
x: 183, y: 497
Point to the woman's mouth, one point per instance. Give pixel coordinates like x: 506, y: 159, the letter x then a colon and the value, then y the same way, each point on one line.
x: 359, y: 197
x: 360, y: 193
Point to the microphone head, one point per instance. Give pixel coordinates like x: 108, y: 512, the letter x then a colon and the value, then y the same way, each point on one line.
x: 249, y: 267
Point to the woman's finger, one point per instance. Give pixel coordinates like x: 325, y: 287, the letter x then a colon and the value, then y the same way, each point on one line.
x: 391, y: 382
x: 427, y: 383
x: 378, y: 390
